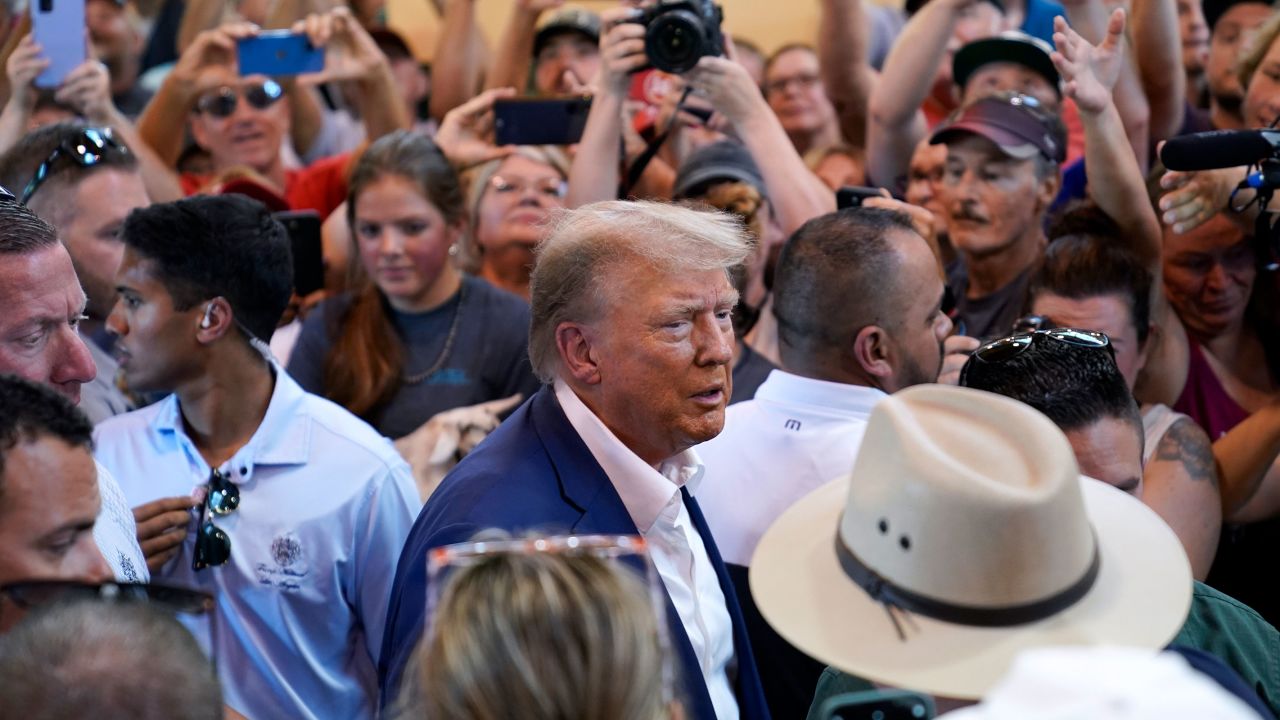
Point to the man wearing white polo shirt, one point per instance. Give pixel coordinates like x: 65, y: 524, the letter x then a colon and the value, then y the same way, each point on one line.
x: 858, y: 299
x: 286, y: 507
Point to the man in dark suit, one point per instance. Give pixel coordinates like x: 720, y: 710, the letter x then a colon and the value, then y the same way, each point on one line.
x: 632, y: 335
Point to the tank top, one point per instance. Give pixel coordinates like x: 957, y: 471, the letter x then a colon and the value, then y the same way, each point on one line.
x: 1156, y: 421
x: 1204, y: 399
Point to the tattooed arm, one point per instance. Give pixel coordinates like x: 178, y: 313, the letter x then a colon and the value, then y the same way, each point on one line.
x: 1181, y: 485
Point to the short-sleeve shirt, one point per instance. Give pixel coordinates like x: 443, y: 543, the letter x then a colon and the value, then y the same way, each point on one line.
x: 325, y: 507
x: 990, y: 316
x: 488, y: 360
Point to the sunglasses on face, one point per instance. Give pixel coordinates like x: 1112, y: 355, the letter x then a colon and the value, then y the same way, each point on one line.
x: 213, y: 547
x: 39, y: 593
x: 1006, y: 349
x: 221, y: 102
x: 86, y: 149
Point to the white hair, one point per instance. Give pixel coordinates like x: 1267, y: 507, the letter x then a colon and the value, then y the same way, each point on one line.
x: 570, y: 279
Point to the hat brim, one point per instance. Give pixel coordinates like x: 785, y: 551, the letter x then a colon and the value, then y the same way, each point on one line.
x: 1140, y: 598
x: 1011, y: 144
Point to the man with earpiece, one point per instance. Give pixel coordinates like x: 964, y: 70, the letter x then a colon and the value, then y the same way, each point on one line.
x: 285, y: 507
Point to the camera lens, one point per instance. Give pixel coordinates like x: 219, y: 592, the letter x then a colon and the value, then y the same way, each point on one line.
x: 674, y: 41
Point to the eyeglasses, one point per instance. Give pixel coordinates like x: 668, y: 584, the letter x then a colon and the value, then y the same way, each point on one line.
x: 30, y: 594
x: 86, y: 149
x: 222, y: 101
x: 213, y: 547
x: 6, y: 195
x: 778, y: 86
x: 628, y: 551
x: 553, y: 188
x: 1006, y: 349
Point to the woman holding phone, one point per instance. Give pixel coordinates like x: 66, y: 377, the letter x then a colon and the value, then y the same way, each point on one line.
x: 414, y: 335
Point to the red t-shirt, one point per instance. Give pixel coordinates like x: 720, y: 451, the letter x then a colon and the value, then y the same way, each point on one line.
x: 321, y: 186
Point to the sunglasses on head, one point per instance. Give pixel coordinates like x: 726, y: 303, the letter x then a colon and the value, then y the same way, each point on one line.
x: 1006, y: 349
x: 86, y: 149
x: 213, y: 547
x: 221, y: 102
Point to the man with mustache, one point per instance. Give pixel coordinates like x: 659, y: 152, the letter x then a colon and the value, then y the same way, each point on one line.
x: 632, y: 336
x: 858, y: 298
x: 1001, y: 175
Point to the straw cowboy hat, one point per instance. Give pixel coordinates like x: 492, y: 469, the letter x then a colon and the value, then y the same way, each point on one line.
x: 964, y: 535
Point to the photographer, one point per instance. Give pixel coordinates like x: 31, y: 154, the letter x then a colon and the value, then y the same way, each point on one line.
x: 796, y: 193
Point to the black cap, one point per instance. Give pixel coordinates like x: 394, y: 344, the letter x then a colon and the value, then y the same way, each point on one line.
x: 1009, y: 46
x: 567, y: 20
x: 724, y: 161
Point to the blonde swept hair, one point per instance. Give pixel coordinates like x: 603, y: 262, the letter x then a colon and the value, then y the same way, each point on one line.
x: 585, y: 245
x: 476, y: 180
x: 541, y: 636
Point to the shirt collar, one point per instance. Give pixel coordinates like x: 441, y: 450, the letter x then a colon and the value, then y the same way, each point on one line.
x: 283, y: 437
x: 645, y: 491
x: 783, y: 387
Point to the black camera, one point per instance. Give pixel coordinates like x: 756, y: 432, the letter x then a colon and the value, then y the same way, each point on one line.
x: 679, y: 32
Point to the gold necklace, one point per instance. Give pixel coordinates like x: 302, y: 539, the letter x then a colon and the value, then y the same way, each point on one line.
x: 448, y: 342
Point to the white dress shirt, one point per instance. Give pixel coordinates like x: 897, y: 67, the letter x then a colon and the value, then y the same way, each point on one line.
x: 325, y: 507
x: 795, y: 435
x: 654, y: 502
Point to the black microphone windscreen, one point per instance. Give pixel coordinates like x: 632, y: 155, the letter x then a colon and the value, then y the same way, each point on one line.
x: 1219, y: 149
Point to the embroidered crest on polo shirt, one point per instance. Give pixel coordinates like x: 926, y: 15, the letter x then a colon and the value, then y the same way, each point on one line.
x: 289, y: 566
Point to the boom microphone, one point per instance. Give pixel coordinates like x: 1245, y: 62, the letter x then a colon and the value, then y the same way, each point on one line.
x: 1219, y: 149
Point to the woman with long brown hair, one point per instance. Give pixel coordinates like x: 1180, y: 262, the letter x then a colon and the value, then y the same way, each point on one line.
x: 414, y: 335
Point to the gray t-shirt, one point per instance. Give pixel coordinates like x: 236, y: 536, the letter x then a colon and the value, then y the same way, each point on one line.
x: 992, y: 316
x: 489, y: 359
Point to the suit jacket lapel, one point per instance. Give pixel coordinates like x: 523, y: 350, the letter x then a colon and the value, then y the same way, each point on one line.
x: 585, y: 486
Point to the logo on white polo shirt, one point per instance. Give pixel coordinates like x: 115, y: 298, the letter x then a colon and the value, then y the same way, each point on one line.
x: 286, y: 550
x: 290, y: 566
x: 792, y: 424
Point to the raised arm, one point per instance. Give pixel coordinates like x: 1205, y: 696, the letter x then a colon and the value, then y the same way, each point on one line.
x: 594, y: 174
x: 895, y: 123
x: 457, y: 69
x: 842, y: 58
x: 1249, y: 457
x: 22, y: 67
x: 352, y: 55
x: 1116, y: 183
x: 1157, y: 49
x: 1090, y: 19
x: 796, y: 194
x: 513, y: 56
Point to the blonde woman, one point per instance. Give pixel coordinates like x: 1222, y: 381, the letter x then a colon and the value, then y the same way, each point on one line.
x: 542, y: 636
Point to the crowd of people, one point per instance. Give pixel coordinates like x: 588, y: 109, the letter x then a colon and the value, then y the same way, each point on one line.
x: 890, y: 368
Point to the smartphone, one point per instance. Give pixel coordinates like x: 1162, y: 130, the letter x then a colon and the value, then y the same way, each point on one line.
x: 540, y: 121
x: 303, y: 227
x: 277, y: 53
x: 853, y: 195
x: 878, y: 705
x: 58, y: 25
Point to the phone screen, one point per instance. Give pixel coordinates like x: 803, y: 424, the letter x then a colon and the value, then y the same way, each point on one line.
x: 540, y: 121
x: 58, y: 25
x: 303, y: 227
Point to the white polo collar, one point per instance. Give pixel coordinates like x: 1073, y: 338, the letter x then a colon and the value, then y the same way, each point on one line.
x: 283, y: 437
x: 787, y: 389
x: 646, y: 491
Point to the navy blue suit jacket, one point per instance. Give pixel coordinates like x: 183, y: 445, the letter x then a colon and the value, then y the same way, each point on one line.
x: 534, y: 473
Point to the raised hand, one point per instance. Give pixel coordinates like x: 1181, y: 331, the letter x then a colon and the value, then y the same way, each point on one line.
x: 728, y: 87
x: 87, y: 90
x: 216, y: 47
x: 466, y: 133
x: 621, y: 50
x: 1191, y: 198
x: 1089, y: 72
x: 350, y: 52
x: 24, y: 65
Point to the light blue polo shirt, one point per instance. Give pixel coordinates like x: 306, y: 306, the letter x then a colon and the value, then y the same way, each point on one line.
x: 325, y: 507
